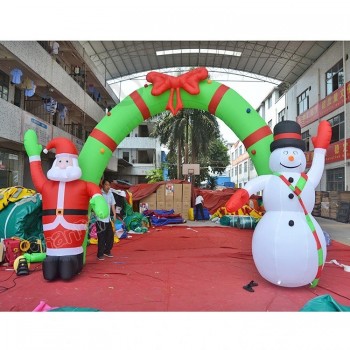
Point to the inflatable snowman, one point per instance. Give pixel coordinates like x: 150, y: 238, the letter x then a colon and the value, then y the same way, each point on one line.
x: 288, y: 247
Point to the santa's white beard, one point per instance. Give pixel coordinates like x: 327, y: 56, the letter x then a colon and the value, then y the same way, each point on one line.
x: 70, y: 173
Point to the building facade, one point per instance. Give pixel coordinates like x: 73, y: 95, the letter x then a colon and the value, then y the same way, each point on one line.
x: 321, y: 93
x: 56, y: 89
x: 140, y: 152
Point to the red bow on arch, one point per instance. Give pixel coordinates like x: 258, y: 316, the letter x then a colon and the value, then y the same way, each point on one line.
x: 188, y: 81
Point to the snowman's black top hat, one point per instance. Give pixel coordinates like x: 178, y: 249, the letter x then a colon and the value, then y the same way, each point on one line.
x: 287, y: 134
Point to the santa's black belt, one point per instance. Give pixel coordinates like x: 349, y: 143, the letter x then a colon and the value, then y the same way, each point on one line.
x: 64, y: 212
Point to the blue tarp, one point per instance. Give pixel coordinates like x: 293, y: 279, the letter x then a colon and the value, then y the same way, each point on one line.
x: 163, y: 217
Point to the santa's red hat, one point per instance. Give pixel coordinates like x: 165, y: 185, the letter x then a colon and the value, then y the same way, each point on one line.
x: 63, y: 146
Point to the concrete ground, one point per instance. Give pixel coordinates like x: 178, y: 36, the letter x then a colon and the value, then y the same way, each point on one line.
x: 338, y: 231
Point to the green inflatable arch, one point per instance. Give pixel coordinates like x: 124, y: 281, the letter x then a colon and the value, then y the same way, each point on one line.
x: 140, y: 105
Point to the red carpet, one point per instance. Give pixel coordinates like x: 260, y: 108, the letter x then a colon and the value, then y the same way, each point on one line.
x: 174, y: 269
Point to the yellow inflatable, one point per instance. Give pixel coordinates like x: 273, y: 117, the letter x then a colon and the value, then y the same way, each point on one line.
x: 13, y: 194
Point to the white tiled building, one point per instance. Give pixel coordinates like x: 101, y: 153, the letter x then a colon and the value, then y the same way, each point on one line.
x: 319, y: 94
x: 60, y: 93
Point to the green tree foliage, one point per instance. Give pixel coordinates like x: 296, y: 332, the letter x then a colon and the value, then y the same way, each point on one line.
x: 154, y: 175
x: 214, y: 161
x: 192, y: 136
x: 218, y: 157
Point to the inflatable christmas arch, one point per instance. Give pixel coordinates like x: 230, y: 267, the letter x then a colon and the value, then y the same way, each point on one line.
x: 190, y: 90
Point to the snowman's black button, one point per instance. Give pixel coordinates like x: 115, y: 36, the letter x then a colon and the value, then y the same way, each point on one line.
x: 291, y: 223
x: 290, y: 179
x: 291, y: 195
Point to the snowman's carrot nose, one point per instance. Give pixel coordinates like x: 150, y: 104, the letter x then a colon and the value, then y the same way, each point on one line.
x: 291, y: 158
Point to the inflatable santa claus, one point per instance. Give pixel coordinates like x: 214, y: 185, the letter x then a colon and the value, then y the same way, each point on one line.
x: 65, y: 203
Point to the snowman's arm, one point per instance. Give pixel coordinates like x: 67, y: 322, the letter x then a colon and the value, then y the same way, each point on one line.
x: 317, y: 166
x: 241, y: 196
x: 321, y: 142
x: 257, y: 184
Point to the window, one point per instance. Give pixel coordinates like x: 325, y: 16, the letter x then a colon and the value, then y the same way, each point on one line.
x: 262, y: 112
x: 4, y: 85
x: 281, y: 92
x: 337, y: 124
x: 251, y: 165
x: 236, y: 170
x: 245, y: 167
x: 240, y: 150
x: 305, y: 136
x: 281, y: 115
x: 145, y: 156
x: 335, y: 179
x: 270, y: 123
x: 236, y: 153
x: 334, y: 78
x: 269, y: 101
x: 126, y: 156
x: 240, y: 169
x: 18, y: 97
x: 9, y: 170
x: 303, y: 102
x: 143, y: 131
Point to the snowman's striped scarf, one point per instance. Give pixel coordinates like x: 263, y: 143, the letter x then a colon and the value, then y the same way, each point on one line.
x: 297, y: 191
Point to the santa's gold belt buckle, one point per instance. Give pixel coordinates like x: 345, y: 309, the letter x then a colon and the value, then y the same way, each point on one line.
x: 59, y: 211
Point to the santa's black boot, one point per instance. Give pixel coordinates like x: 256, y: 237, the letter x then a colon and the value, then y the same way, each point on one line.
x: 68, y: 266
x: 50, y: 267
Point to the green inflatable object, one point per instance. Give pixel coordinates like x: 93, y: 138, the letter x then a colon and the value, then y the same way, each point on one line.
x: 35, y: 257
x: 140, y: 105
x: 324, y: 303
x: 22, y: 219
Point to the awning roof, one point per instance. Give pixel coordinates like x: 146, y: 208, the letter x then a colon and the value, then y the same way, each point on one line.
x: 285, y: 61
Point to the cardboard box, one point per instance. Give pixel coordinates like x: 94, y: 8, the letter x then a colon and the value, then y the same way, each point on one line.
x: 161, y: 205
x: 152, y: 198
x: 169, y: 190
x: 186, y: 192
x: 178, y: 208
x: 161, y: 194
x: 147, y: 206
x: 177, y: 193
x: 169, y: 205
x: 185, y: 209
x: 169, y: 196
x: 143, y: 206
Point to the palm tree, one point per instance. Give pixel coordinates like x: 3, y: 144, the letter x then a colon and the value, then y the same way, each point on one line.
x: 187, y: 134
x: 170, y: 131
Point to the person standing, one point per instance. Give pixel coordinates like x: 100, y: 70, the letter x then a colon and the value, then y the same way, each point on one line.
x: 199, y: 207
x: 105, y: 233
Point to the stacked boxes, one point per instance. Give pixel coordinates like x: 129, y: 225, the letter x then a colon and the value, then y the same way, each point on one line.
x: 333, y: 204
x: 328, y: 204
x: 325, y: 205
x: 161, y: 197
x: 169, y: 196
x: 178, y: 198
x: 148, y: 203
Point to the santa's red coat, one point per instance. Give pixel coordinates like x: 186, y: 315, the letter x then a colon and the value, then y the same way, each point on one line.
x: 62, y: 231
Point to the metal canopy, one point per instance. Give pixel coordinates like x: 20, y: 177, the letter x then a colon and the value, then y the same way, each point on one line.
x: 285, y: 61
